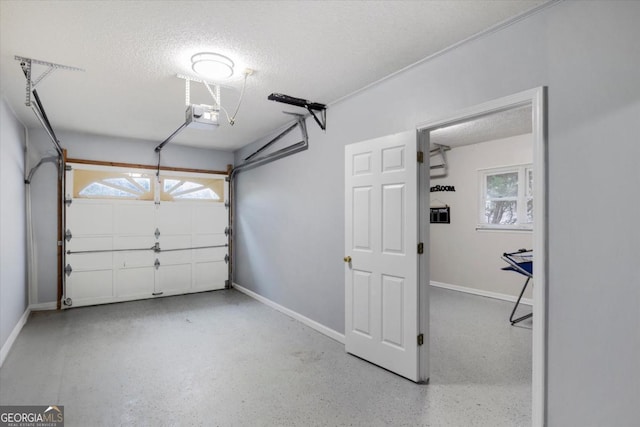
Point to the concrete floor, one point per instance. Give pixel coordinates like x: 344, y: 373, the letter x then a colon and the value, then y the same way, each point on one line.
x: 223, y: 359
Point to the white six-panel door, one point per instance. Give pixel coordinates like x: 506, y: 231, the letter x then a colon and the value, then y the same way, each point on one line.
x: 381, y: 259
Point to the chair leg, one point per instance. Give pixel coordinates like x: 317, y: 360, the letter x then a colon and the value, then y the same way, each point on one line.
x: 526, y: 316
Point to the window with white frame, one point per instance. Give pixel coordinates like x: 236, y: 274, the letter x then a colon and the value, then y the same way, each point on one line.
x: 506, y: 198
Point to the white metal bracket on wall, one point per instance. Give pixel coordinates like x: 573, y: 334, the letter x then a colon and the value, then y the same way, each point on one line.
x: 27, y: 63
x: 441, y: 150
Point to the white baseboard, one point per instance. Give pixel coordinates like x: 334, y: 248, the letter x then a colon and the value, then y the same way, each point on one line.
x: 480, y: 292
x: 335, y: 335
x: 21, y: 322
x: 14, y: 334
x: 44, y: 306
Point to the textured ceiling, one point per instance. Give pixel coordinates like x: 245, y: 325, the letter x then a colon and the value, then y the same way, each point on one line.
x: 318, y: 50
x: 489, y: 127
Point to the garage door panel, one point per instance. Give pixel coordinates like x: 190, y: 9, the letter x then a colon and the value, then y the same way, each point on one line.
x: 90, y: 261
x: 174, y: 218
x: 133, y: 242
x: 134, y: 218
x: 175, y: 278
x: 175, y: 257
x: 212, y: 254
x: 133, y: 258
x: 135, y: 282
x: 89, y: 243
x: 210, y: 218
x: 211, y: 275
x: 90, y: 218
x: 209, y: 240
x: 90, y: 287
x: 175, y: 241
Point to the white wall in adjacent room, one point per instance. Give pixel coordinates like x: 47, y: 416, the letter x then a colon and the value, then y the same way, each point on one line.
x: 460, y: 254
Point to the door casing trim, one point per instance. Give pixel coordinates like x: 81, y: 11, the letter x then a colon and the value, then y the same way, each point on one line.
x: 537, y: 98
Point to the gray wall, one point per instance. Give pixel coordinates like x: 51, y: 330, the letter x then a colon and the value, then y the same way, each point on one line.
x: 13, y: 262
x: 93, y: 147
x: 290, y: 232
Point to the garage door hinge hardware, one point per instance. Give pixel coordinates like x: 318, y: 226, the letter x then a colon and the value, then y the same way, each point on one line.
x: 420, y: 156
x: 156, y: 248
x: 68, y: 167
x: 226, y: 259
x: 420, y: 248
x: 67, y: 235
x: 227, y: 204
x: 227, y: 231
x: 68, y: 202
x: 157, y: 233
x: 67, y: 301
x: 157, y: 264
x: 68, y: 270
x: 420, y: 339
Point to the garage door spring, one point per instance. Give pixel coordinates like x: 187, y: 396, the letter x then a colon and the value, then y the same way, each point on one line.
x: 155, y: 248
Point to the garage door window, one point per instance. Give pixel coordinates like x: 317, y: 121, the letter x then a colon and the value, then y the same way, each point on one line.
x: 200, y: 189
x: 95, y: 184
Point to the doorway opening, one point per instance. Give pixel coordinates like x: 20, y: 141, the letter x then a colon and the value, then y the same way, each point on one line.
x: 484, y: 194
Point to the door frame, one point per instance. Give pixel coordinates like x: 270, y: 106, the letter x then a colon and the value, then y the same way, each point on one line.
x: 537, y: 98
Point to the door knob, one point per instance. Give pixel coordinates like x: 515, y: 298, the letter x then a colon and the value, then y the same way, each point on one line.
x: 347, y: 259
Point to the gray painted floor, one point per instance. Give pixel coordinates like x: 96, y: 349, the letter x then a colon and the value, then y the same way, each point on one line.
x: 223, y: 359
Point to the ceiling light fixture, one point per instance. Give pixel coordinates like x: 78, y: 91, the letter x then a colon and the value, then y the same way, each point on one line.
x: 212, y: 65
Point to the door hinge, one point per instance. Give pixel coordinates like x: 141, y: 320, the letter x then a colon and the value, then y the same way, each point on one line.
x: 68, y: 202
x: 226, y: 259
x: 420, y: 156
x: 227, y: 204
x: 227, y: 231
x: 68, y: 270
x: 68, y: 235
x: 157, y: 233
x: 420, y: 339
x: 420, y: 248
x: 157, y: 264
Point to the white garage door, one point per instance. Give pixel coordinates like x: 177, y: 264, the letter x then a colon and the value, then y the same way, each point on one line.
x: 133, y: 235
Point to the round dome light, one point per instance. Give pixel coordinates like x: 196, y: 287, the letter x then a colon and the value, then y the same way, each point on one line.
x: 212, y: 65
